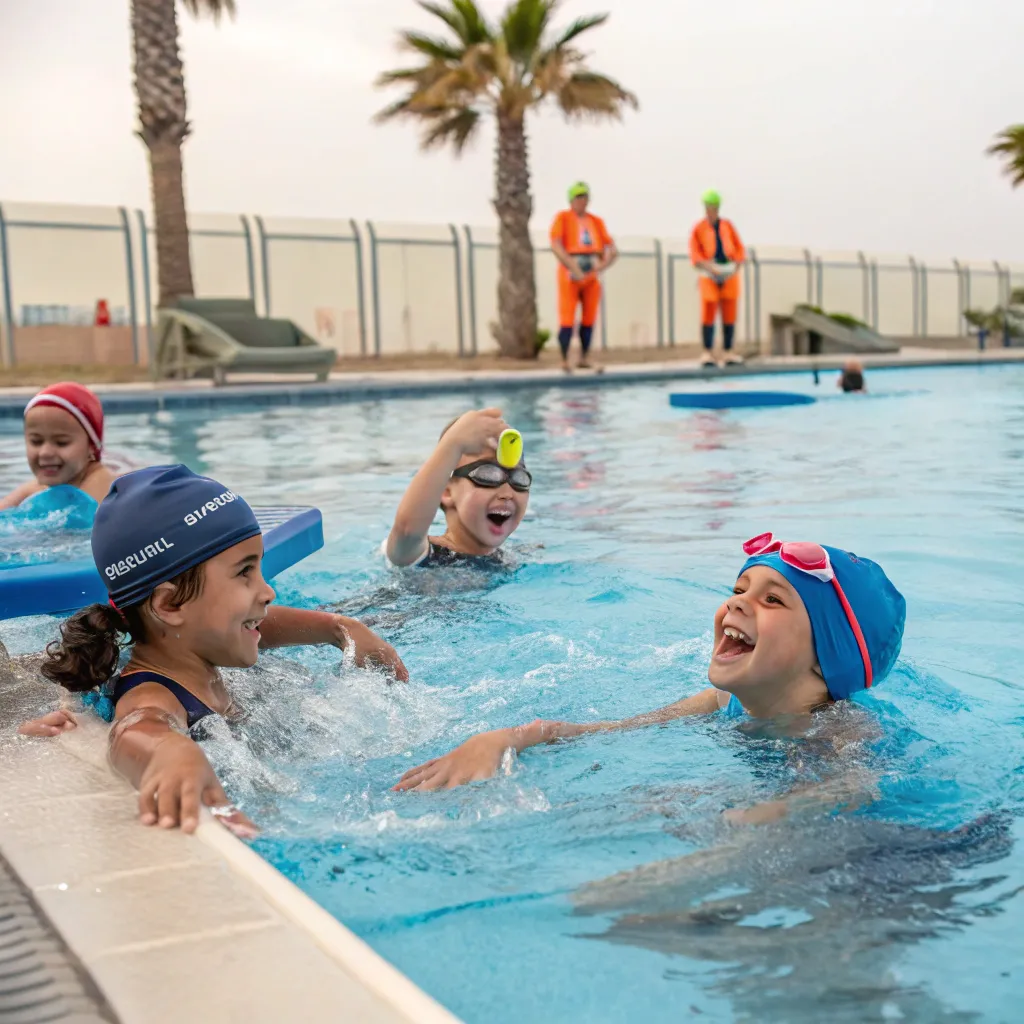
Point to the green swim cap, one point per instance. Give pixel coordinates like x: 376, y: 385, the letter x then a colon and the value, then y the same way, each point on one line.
x: 581, y: 188
x: 711, y: 198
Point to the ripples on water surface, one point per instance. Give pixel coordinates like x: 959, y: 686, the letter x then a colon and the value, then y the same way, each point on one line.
x: 496, y: 898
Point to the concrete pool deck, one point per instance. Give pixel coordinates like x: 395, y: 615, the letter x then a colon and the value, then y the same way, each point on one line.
x: 366, y: 386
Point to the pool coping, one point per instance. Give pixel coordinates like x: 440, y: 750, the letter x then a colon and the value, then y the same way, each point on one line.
x: 64, y: 787
x: 360, y: 387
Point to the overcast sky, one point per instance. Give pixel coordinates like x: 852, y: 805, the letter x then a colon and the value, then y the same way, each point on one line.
x: 835, y: 124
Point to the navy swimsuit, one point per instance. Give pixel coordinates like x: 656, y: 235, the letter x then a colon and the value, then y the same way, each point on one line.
x: 195, y: 709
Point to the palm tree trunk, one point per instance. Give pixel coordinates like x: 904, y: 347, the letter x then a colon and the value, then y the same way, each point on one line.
x: 517, y: 283
x: 160, y: 90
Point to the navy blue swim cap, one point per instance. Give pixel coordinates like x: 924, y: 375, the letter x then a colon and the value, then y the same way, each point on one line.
x: 158, y: 522
x: 878, y: 606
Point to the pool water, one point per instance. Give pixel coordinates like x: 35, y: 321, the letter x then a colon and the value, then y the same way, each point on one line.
x: 495, y: 898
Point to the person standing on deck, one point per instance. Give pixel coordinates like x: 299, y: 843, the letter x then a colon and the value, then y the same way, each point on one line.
x: 717, y: 254
x: 584, y: 249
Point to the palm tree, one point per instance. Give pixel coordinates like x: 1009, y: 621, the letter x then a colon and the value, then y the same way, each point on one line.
x: 1009, y: 145
x: 160, y: 90
x: 478, y: 69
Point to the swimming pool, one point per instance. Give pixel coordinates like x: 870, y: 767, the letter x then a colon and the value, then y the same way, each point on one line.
x: 908, y: 910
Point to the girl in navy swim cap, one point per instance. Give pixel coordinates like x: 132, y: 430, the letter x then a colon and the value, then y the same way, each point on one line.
x: 180, y: 555
x: 805, y: 626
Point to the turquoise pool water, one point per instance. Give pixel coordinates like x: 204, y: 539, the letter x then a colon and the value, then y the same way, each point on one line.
x: 910, y: 909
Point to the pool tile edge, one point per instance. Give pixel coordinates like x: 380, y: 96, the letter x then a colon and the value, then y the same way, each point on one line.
x: 346, y: 978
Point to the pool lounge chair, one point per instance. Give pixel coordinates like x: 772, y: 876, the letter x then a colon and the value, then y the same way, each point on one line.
x: 215, y: 337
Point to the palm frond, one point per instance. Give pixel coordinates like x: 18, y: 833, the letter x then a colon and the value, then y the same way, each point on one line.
x: 1009, y: 146
x: 214, y: 8
x: 463, y: 17
x: 456, y: 129
x: 587, y: 95
x: 430, y: 46
x: 523, y: 28
x: 577, y: 28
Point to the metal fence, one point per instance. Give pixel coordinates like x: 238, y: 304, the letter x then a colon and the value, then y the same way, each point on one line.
x: 370, y: 289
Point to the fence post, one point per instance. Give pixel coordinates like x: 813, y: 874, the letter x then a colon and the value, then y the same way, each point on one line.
x: 1003, y: 296
x: 746, y: 300
x: 5, y: 278
x: 820, y: 281
x: 923, y: 272
x: 672, y: 257
x: 961, y: 305
x: 810, y: 277
x: 874, y: 295
x: 129, y: 262
x: 458, y: 289
x: 360, y: 296
x: 250, y: 264
x: 264, y: 253
x: 147, y: 294
x: 471, y: 283
x: 659, y: 265
x: 865, y: 287
x: 757, y: 292
x: 375, y: 292
x: 914, y: 295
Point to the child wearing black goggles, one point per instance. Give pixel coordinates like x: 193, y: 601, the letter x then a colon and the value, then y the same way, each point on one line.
x: 489, y: 473
x: 483, y: 502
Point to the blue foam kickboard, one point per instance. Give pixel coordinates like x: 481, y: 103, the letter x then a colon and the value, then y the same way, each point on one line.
x: 56, y: 588
x: 736, y: 399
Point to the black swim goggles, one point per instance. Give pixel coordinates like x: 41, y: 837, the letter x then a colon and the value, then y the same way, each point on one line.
x: 488, y: 473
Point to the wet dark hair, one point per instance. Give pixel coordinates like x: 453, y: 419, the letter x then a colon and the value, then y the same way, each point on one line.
x: 87, y: 653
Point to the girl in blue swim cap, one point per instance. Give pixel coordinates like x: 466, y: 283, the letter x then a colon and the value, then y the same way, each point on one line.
x: 181, y: 557
x: 805, y: 626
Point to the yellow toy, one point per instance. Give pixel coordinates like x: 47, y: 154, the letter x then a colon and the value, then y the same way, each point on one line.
x: 510, y: 448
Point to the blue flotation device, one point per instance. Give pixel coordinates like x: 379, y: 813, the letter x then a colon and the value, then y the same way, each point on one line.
x: 736, y: 399
x: 57, y: 588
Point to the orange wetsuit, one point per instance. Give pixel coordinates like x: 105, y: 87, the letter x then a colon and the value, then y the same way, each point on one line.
x: 723, y: 246
x: 585, y: 238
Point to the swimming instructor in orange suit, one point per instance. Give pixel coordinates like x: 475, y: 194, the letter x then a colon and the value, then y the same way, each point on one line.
x: 717, y: 253
x: 584, y: 249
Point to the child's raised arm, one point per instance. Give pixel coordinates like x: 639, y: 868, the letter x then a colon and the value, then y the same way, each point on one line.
x: 472, y: 433
x: 481, y: 755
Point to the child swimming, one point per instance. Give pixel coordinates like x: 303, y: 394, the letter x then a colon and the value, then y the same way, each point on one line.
x: 806, y: 626
x: 180, y: 555
x: 483, y: 502
x: 64, y: 443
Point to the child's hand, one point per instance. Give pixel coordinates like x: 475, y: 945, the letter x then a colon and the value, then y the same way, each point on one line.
x: 478, y: 758
x: 476, y: 432
x: 369, y: 648
x: 52, y: 724
x: 177, y: 780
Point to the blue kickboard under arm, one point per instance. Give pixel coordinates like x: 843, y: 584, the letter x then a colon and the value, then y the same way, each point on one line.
x: 57, y: 588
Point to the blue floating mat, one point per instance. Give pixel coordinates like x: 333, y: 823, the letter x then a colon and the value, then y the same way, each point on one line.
x: 56, y: 588
x: 736, y: 399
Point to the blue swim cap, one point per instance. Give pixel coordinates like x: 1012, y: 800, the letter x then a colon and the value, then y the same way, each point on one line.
x: 878, y: 606
x: 158, y: 522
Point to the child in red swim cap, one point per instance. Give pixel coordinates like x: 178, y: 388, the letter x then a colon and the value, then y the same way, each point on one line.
x: 64, y: 443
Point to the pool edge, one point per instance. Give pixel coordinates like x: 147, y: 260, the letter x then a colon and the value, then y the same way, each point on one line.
x: 360, y: 387
x: 55, y: 837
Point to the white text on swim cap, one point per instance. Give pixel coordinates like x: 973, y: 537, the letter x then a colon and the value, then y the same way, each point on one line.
x: 125, y: 565
x: 211, y: 506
